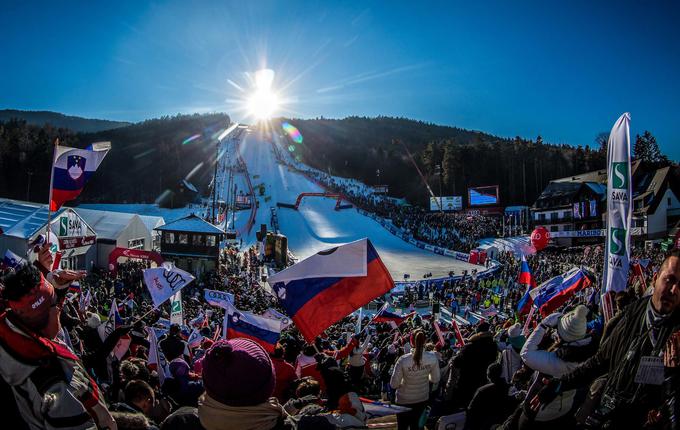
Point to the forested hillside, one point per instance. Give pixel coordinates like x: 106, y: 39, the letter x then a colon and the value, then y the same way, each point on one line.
x: 59, y: 120
x: 146, y: 159
x: 358, y: 146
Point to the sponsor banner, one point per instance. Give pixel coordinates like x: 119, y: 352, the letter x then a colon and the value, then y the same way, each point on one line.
x: 448, y: 203
x: 412, y: 241
x: 449, y: 253
x: 429, y: 247
x: 76, y: 242
x: 69, y: 224
x: 635, y: 231
x: 619, y: 208
x: 439, y: 251
x: 380, y: 189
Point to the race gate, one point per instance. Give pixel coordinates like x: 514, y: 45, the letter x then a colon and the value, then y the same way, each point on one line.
x: 295, y: 206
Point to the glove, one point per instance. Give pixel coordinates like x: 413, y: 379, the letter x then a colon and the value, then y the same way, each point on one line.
x: 551, y: 320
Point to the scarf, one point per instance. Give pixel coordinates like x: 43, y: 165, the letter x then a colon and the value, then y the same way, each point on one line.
x: 218, y: 416
x: 654, y: 320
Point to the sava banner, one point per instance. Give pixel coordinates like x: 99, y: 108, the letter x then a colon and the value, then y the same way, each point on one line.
x: 619, y: 202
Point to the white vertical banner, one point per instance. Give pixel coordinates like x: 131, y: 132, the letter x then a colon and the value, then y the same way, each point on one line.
x: 619, y: 205
x: 176, y: 316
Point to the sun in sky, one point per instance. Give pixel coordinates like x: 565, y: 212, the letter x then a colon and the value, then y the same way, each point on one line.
x: 263, y: 103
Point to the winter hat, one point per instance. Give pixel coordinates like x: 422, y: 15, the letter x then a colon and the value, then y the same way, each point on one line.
x: 238, y: 372
x: 483, y: 327
x: 515, y: 336
x: 93, y: 320
x: 572, y: 326
x: 33, y: 306
x: 179, y: 368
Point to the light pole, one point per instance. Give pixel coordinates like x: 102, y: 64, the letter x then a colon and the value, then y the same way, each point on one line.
x: 438, y: 172
x: 377, y: 174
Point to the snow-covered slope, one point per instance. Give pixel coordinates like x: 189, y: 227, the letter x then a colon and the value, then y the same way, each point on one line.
x: 317, y: 225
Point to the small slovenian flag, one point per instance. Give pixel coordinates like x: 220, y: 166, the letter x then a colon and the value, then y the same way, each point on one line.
x: 386, y: 316
x: 326, y: 287
x: 72, y: 169
x: 264, y: 331
x: 12, y: 261
x: 525, y: 278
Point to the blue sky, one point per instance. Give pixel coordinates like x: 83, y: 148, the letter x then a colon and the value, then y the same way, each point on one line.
x: 564, y: 70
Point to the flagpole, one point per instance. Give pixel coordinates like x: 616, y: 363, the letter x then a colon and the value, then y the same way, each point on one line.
x: 49, y: 202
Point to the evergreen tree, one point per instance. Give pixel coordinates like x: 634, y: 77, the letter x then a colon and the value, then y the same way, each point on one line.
x: 647, y: 150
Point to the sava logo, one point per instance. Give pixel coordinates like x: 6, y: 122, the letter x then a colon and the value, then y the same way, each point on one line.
x: 617, y: 241
x: 620, y: 175
x: 38, y: 302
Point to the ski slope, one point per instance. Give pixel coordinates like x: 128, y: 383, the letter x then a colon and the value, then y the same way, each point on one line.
x: 317, y: 225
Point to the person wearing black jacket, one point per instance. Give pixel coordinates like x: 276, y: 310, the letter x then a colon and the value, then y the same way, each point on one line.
x: 472, y: 362
x: 636, y: 356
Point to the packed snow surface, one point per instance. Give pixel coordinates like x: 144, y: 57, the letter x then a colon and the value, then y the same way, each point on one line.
x: 317, y: 225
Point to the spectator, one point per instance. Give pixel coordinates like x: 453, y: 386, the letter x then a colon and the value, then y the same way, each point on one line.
x: 413, y: 373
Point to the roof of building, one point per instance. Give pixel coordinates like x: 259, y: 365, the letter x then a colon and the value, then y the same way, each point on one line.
x: 599, y: 176
x: 649, y: 188
x: 556, y: 190
x: 191, y: 224
x: 23, y: 219
x: 151, y: 222
x: 107, y: 225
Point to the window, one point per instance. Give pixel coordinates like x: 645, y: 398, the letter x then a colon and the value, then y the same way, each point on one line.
x: 541, y: 217
x: 136, y: 243
x: 669, y: 201
x: 210, y: 240
x: 553, y: 216
x: 183, y: 239
x: 554, y: 228
x: 567, y: 227
x: 198, y: 240
x: 169, y: 237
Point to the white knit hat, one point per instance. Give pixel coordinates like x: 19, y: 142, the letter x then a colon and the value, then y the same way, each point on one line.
x: 515, y: 330
x: 572, y: 326
x: 93, y: 320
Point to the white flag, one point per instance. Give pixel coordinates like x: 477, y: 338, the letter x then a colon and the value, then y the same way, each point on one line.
x: 619, y: 202
x: 156, y: 357
x: 163, y: 282
x: 276, y: 315
x: 220, y: 299
x: 176, y: 308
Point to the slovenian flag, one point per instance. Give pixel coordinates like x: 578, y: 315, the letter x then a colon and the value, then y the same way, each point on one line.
x: 326, y: 287
x: 554, y: 292
x: 12, y: 261
x: 264, y: 331
x: 72, y: 169
x: 386, y: 316
x: 525, y: 278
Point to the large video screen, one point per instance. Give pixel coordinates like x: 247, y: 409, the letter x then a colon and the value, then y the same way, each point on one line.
x: 448, y: 203
x: 483, y: 196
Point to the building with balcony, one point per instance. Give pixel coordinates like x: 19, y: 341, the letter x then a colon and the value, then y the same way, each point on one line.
x: 192, y: 243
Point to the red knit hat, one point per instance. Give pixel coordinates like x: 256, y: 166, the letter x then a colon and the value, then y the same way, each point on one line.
x: 33, y: 307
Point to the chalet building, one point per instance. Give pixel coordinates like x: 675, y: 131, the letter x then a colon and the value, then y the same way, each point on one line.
x: 192, y: 243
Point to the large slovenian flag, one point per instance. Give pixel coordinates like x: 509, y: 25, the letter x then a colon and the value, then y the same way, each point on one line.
x: 554, y: 292
x: 525, y: 278
x: 326, y: 287
x: 72, y: 169
x: 265, y: 331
